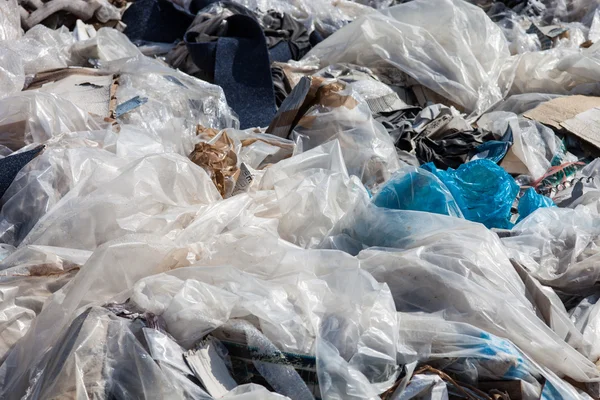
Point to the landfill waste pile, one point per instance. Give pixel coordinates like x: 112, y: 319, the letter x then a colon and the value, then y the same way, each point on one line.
x: 300, y: 199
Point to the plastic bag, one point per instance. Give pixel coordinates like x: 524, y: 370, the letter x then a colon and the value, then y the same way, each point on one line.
x: 482, y: 190
x: 176, y: 103
x: 413, y: 37
x: 157, y: 193
x: 35, y: 117
x: 419, y: 190
x: 28, y: 277
x: 42, y: 49
x: 342, y: 115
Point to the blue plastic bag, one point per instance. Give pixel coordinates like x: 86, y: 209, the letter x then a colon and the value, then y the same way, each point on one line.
x: 418, y: 190
x: 484, y: 191
x: 531, y: 201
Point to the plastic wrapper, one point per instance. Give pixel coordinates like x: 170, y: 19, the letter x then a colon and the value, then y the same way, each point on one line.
x: 42, y: 49
x: 558, y: 71
x: 27, y: 278
x: 104, y: 352
x: 165, y: 190
x: 327, y: 16
x: 177, y: 103
x: 367, y: 148
x: 482, y: 190
x: 413, y: 37
x: 70, y: 160
x: 311, y: 195
x: 34, y: 117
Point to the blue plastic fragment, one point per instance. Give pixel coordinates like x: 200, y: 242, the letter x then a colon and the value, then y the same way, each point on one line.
x: 129, y: 105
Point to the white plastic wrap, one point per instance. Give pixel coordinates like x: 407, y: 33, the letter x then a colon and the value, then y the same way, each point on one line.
x: 160, y: 193
x: 327, y: 16
x: 312, y: 200
x: 558, y: 71
x: 27, y: 278
x: 464, y: 66
x: 471, y: 354
x: 177, y: 103
x: 65, y: 163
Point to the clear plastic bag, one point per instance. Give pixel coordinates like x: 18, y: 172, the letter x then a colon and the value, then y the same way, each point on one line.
x: 12, y: 75
x: 414, y: 37
x: 342, y: 115
x: 533, y: 143
x: 471, y: 355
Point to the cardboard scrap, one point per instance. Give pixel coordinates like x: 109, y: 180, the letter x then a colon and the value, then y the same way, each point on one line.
x: 578, y: 115
x: 556, y: 111
x: 585, y: 126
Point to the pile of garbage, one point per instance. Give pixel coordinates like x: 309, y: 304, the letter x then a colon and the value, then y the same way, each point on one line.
x: 300, y: 199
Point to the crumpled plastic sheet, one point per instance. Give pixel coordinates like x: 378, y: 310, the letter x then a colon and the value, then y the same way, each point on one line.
x: 482, y: 190
x: 559, y: 70
x: 472, y: 354
x: 355, y: 339
x: 414, y: 38
x: 115, y: 217
x: 531, y: 201
x: 417, y: 189
x: 435, y: 263
x: 558, y: 246
x: 10, y: 20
